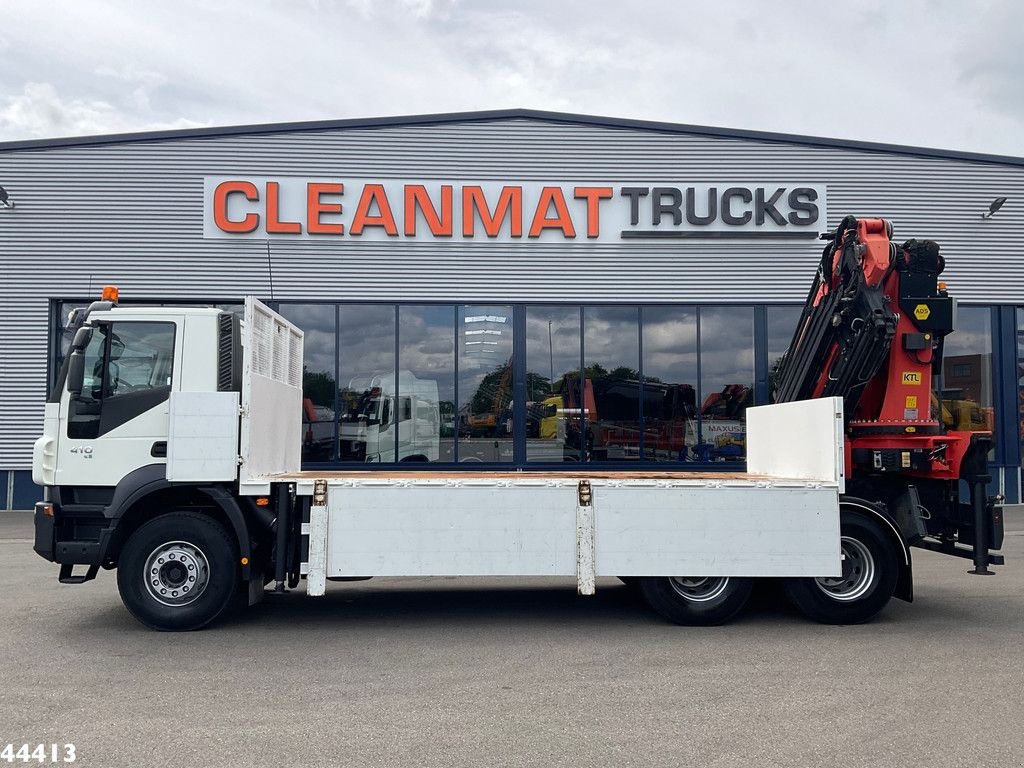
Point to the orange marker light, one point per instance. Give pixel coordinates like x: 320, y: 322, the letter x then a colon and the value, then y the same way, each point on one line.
x: 942, y: 285
x: 262, y: 501
x: 245, y: 561
x: 109, y: 293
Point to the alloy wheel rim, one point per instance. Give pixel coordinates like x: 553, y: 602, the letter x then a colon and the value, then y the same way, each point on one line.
x: 699, y: 589
x: 858, y: 573
x: 176, y: 573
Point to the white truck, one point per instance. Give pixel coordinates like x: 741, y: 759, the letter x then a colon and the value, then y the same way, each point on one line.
x: 386, y: 409
x: 187, y: 481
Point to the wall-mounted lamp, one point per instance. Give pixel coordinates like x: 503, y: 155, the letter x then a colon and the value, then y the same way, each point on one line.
x: 5, y: 199
x: 994, y: 206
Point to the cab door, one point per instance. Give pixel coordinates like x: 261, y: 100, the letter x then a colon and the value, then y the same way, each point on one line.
x: 119, y: 421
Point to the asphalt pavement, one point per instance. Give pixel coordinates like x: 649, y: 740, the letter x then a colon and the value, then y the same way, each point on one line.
x: 514, y: 672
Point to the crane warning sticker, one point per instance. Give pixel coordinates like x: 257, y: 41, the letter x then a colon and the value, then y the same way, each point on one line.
x: 911, y: 377
x: 910, y: 411
x: 921, y: 311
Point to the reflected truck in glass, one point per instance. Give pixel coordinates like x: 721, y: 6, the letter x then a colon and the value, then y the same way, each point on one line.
x: 382, y: 418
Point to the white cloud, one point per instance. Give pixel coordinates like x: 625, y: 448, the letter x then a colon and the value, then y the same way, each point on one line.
x: 424, y: 9
x: 920, y: 72
x: 40, y: 111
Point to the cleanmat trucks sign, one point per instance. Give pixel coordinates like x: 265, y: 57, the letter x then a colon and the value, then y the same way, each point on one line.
x: 374, y: 209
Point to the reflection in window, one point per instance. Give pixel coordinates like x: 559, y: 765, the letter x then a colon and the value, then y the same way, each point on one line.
x: 689, y: 391
x: 670, y: 383
x: 552, y: 363
x: 426, y: 374
x: 781, y: 325
x: 726, y: 381
x: 319, y: 326
x: 366, y: 367
x: 485, y: 383
x: 966, y: 395
x: 610, y: 396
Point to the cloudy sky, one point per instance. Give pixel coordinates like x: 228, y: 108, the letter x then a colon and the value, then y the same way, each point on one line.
x: 923, y: 72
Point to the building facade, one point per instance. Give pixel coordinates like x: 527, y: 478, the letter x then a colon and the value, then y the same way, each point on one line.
x: 516, y: 288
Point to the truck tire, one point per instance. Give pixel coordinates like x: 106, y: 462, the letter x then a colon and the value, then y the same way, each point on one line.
x: 696, y: 600
x: 870, y: 572
x: 179, y: 572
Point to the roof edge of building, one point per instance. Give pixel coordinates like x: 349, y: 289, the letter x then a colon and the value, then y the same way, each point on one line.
x: 506, y: 114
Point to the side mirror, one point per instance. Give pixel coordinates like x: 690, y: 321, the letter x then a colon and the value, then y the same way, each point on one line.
x: 76, y: 372
x: 76, y: 361
x: 82, y: 337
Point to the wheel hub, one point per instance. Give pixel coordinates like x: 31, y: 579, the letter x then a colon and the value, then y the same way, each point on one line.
x: 176, y: 573
x: 858, y: 573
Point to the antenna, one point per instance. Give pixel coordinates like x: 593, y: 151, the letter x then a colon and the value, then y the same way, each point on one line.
x: 270, y: 270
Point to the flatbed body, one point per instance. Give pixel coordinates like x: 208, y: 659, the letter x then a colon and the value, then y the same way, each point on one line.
x: 581, y: 522
x: 563, y: 524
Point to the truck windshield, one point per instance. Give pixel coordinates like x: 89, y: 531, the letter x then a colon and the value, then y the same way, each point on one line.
x: 369, y: 409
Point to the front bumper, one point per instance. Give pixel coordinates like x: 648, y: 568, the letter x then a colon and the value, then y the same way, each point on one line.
x: 70, y: 536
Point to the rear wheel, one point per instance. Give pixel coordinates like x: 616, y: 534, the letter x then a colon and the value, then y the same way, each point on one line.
x: 696, y: 600
x: 870, y: 570
x: 179, y: 571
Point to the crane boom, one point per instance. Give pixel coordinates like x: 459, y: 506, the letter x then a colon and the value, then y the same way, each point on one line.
x: 871, y: 332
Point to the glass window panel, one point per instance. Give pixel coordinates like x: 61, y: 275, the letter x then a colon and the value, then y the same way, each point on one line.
x: 552, y: 366
x: 141, y: 358
x: 366, y: 360
x: 781, y: 324
x: 318, y: 324
x: 967, y: 372
x: 128, y: 369
x: 727, y: 380
x: 670, y: 383
x: 611, y: 392
x: 485, y: 383
x: 426, y: 375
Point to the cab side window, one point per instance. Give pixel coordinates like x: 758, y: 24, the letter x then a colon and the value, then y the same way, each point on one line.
x: 128, y: 369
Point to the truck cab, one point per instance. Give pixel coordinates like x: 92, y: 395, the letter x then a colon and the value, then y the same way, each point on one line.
x: 108, y: 413
x: 104, y: 458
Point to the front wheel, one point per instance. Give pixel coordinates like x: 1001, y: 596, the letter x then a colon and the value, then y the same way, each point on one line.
x: 870, y: 570
x: 696, y: 600
x: 178, y: 572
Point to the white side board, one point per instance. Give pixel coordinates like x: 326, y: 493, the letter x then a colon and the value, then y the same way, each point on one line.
x: 396, y: 527
x: 202, y: 437
x: 271, y: 427
x: 801, y: 440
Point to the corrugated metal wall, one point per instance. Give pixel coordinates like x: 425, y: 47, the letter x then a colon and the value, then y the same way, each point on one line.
x: 131, y: 214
